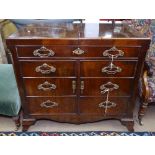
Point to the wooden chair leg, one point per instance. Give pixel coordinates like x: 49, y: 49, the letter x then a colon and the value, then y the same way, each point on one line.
x: 144, y: 97
x: 16, y: 119
x: 142, y: 110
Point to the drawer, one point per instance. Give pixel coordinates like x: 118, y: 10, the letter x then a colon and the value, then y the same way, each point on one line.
x: 45, y: 52
x: 97, y: 86
x: 100, y: 51
x: 70, y: 51
x: 96, y: 106
x: 48, y: 68
x: 50, y: 86
x: 51, y: 105
x: 122, y: 68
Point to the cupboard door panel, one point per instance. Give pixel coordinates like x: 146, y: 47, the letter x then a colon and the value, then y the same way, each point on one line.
x: 90, y: 105
x: 50, y: 86
x: 97, y: 86
x: 51, y: 105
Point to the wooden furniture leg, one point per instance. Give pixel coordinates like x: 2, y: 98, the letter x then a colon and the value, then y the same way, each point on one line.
x: 16, y: 119
x: 129, y: 124
x: 26, y: 123
x: 143, y: 97
x: 142, y: 110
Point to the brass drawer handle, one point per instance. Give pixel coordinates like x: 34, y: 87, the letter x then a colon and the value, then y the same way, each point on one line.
x: 113, y: 49
x: 46, y: 86
x: 43, y: 52
x: 49, y: 104
x: 74, y: 86
x: 78, y: 51
x: 110, y: 86
x: 45, y: 69
x: 111, y: 69
x: 107, y: 104
x: 82, y: 87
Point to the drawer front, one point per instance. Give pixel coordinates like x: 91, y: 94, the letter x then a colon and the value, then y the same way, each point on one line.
x: 50, y: 86
x: 96, y: 106
x: 74, y: 51
x: 48, y: 68
x: 45, y: 52
x: 100, y: 51
x: 103, y: 69
x: 51, y: 105
x: 97, y: 86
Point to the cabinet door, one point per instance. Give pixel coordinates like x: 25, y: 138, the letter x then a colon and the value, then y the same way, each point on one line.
x: 97, y: 106
x: 50, y: 86
x: 51, y: 105
x: 97, y: 86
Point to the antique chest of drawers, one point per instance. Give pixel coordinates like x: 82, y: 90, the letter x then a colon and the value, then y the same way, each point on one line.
x: 78, y: 73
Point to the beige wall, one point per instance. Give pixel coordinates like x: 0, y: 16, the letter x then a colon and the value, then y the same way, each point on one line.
x: 6, y: 28
x: 2, y: 52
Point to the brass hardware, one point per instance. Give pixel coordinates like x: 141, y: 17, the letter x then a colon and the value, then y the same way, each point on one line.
x: 48, y: 104
x: 78, y: 51
x: 109, y: 85
x: 46, y: 86
x: 82, y: 87
x: 111, y: 69
x: 45, y: 69
x: 74, y: 86
x: 113, y: 49
x: 107, y: 104
x: 38, y: 53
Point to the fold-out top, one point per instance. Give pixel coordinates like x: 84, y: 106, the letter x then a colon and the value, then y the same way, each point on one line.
x: 76, y: 31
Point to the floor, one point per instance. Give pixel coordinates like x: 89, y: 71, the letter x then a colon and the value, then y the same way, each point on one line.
x: 6, y: 124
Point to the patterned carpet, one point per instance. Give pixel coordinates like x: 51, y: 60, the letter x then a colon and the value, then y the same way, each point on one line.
x: 88, y: 133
